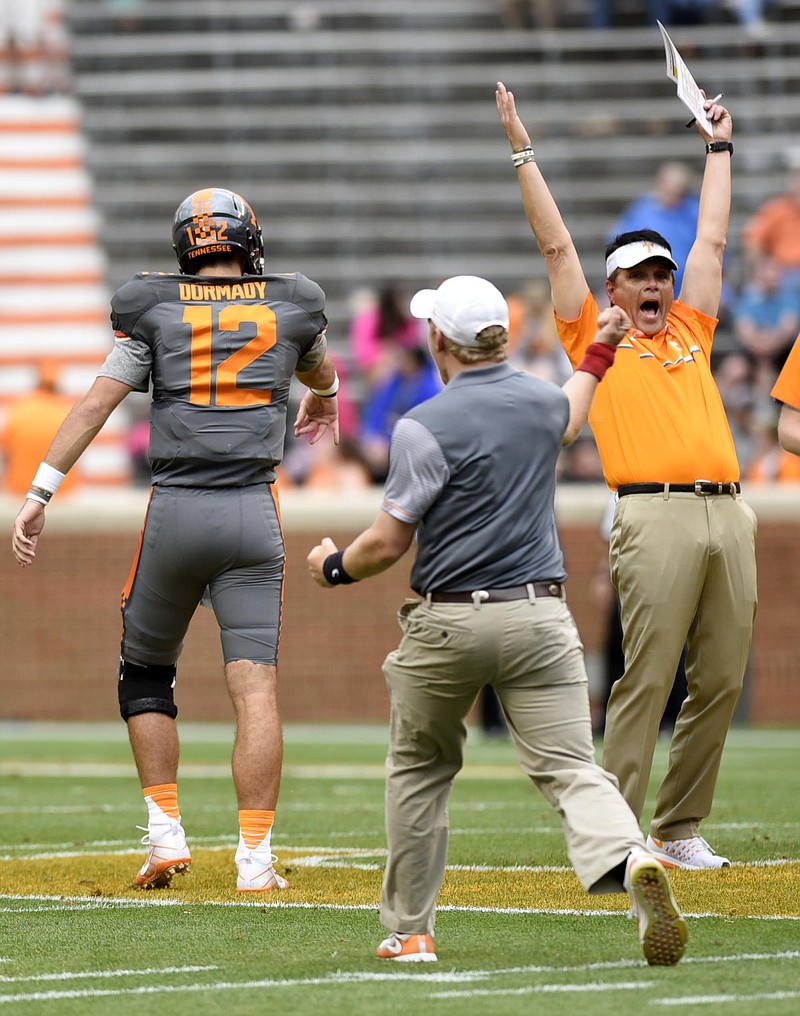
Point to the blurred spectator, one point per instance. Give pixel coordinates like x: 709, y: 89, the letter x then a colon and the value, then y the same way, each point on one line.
x: 752, y: 14
x: 300, y: 456
x: 378, y: 330
x: 774, y: 232
x: 532, y: 340
x: 33, y: 47
x: 137, y: 440
x: 733, y: 376
x: 580, y: 462
x: 771, y: 463
x: 765, y: 320
x: 529, y: 13
x: 413, y: 380
x: 339, y: 467
x: 668, y: 12
x: 31, y: 424
x: 670, y: 209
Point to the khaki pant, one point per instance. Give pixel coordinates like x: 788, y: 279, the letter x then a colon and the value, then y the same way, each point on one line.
x: 529, y: 650
x: 684, y: 568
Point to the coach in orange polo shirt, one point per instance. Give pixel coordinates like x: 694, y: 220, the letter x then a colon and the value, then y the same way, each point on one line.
x: 787, y: 391
x: 682, y: 548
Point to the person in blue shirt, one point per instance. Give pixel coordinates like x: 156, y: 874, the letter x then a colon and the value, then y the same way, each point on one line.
x: 414, y: 380
x: 670, y: 209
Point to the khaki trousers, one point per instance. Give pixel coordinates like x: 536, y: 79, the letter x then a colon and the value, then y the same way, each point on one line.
x: 685, y: 571
x: 529, y: 650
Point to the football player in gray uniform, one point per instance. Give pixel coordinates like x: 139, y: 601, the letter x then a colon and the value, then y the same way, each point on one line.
x: 218, y: 346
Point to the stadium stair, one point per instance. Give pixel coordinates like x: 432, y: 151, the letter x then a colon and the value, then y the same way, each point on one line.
x: 366, y: 137
x: 53, y: 296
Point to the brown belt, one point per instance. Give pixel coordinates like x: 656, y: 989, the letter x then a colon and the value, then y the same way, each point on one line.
x: 498, y: 595
x: 703, y: 488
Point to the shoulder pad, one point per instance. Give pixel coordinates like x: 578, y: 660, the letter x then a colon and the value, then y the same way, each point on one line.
x: 298, y: 289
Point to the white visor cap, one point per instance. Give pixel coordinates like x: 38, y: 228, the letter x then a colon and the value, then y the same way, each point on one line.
x: 634, y: 253
x: 462, y: 307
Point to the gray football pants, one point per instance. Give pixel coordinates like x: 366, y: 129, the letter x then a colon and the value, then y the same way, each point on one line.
x: 530, y: 651
x: 228, y: 539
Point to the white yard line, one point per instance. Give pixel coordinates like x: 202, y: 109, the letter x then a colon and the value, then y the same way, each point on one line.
x: 76, y: 903
x: 339, y: 979
x: 768, y: 996
x: 92, y: 974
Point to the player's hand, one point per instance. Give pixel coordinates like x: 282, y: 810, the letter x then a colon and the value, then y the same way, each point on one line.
x: 512, y: 125
x: 316, y: 559
x: 27, y: 529
x: 722, y: 120
x: 613, y: 324
x: 316, y: 416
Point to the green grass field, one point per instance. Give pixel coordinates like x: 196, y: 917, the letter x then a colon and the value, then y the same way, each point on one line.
x: 515, y: 932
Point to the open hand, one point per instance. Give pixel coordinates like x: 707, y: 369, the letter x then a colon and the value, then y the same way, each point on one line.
x: 27, y: 529
x: 316, y: 416
x: 512, y: 125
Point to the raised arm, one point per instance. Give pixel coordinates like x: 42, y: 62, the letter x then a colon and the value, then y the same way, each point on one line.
x: 567, y: 280
x: 612, y: 327
x: 702, y: 278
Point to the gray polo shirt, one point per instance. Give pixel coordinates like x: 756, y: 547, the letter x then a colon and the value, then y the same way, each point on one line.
x: 475, y: 468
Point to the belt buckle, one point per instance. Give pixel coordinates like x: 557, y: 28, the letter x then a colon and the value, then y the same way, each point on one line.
x: 698, y: 489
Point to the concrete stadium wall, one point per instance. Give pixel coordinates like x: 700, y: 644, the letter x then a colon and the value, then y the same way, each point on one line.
x: 60, y: 627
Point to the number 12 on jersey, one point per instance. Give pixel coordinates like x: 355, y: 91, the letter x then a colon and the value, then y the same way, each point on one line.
x: 222, y: 380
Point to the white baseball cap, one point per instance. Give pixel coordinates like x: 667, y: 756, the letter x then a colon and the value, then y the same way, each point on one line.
x: 632, y: 254
x: 462, y: 307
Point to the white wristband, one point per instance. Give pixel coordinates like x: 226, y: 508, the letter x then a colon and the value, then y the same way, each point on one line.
x: 328, y: 393
x: 45, y: 483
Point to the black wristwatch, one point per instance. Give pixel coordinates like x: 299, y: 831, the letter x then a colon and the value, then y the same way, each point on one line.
x: 719, y: 146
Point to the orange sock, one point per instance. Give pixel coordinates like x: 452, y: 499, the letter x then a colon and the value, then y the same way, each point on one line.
x: 165, y: 797
x: 255, y: 827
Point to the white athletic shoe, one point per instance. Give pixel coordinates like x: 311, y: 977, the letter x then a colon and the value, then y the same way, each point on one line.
x: 662, y: 929
x: 408, y: 949
x: 693, y: 852
x: 167, y: 855
x: 257, y: 872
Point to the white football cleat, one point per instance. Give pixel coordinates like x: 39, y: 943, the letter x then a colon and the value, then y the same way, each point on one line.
x: 257, y: 872
x: 167, y: 855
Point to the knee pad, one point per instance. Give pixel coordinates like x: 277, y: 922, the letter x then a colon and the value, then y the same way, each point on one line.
x: 146, y: 689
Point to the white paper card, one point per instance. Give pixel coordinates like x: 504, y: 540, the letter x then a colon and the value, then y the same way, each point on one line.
x: 688, y: 91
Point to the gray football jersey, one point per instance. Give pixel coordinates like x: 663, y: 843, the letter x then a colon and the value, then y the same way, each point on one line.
x: 223, y: 352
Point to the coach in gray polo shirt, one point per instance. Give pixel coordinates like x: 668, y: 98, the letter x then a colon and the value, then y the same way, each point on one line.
x: 473, y: 473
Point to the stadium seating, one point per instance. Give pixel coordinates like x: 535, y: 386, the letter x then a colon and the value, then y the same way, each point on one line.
x: 365, y: 133
x: 52, y: 270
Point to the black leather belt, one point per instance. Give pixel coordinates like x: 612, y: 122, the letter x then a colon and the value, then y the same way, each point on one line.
x: 498, y: 595
x: 703, y: 488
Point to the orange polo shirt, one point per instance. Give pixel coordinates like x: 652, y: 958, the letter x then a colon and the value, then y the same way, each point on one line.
x: 30, y: 428
x: 658, y: 415
x: 787, y: 387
